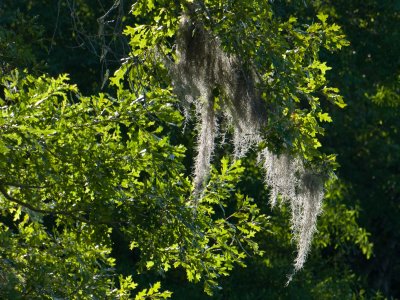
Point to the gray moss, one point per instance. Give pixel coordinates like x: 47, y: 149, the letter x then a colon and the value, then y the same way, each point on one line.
x: 202, y: 68
x: 288, y: 178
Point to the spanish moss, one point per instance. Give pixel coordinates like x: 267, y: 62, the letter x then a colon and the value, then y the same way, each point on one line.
x: 203, y: 73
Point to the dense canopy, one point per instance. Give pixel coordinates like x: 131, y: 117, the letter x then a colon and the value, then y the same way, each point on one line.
x: 150, y: 149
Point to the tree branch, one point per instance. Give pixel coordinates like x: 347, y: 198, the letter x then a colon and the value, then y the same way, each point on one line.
x: 71, y: 214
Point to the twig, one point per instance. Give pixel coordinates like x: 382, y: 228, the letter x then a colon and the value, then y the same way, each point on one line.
x: 71, y: 214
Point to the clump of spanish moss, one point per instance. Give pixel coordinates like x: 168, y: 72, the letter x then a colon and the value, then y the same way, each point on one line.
x: 288, y: 178
x: 203, y: 71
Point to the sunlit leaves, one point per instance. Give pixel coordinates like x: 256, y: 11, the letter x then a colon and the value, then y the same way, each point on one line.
x: 73, y: 168
x: 77, y: 167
